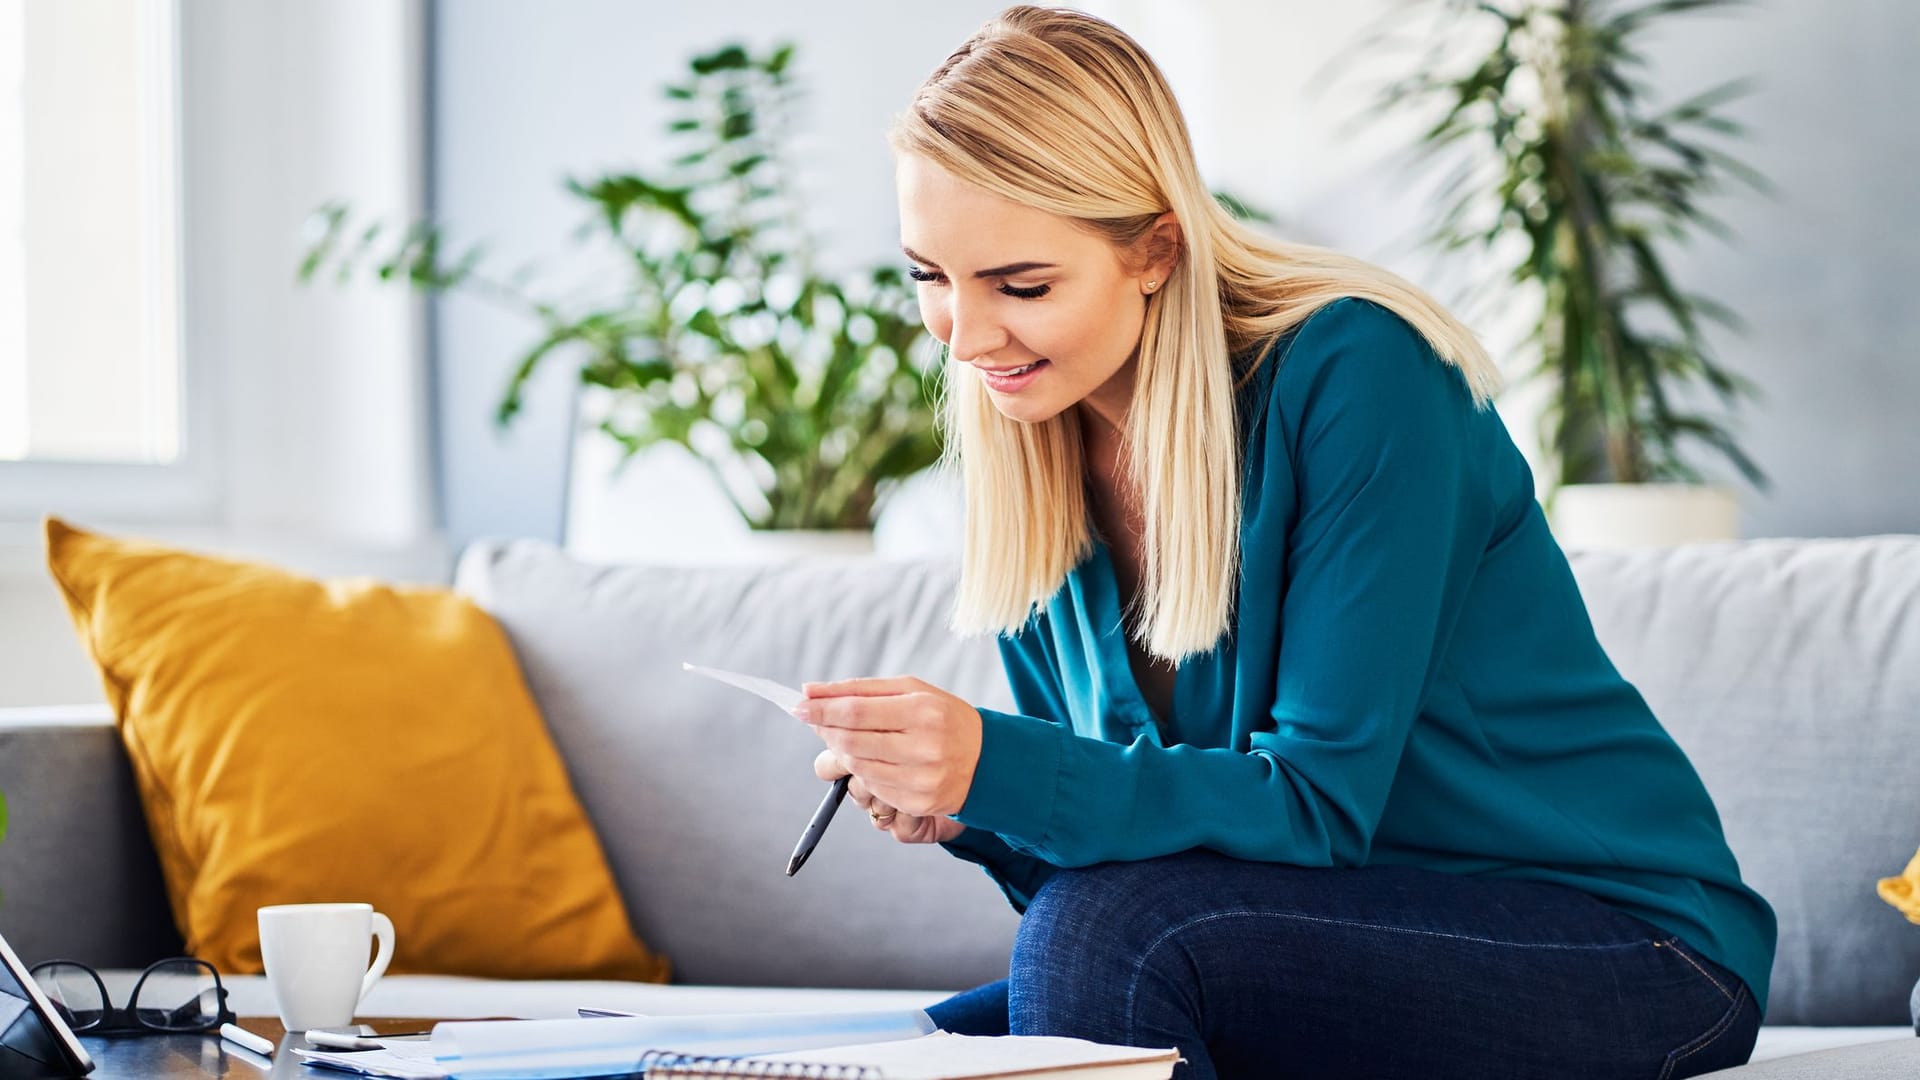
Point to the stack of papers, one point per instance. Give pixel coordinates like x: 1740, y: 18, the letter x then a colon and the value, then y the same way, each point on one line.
x: 895, y: 1045
x: 557, y: 1049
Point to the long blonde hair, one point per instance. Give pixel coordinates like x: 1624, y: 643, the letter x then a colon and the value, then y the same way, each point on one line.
x: 1060, y: 111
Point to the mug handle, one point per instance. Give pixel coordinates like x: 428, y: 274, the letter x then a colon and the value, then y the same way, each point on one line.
x: 382, y: 929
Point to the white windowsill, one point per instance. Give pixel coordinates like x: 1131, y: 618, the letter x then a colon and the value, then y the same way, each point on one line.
x: 425, y: 561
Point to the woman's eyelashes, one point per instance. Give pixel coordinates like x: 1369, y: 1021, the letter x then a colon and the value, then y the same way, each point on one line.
x: 934, y: 278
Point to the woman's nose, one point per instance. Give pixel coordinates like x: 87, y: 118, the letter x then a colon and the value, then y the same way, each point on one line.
x: 973, y: 332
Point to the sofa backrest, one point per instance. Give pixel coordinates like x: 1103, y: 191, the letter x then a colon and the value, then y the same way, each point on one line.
x: 79, y: 879
x: 1789, y: 671
x: 699, y: 790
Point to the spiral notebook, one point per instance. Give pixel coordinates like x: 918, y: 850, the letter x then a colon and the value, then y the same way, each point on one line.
x: 939, y: 1056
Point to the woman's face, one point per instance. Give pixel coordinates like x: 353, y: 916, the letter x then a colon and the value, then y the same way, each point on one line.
x: 1005, y: 285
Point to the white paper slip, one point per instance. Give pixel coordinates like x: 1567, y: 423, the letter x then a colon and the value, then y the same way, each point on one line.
x: 415, y: 1062
x: 784, y: 696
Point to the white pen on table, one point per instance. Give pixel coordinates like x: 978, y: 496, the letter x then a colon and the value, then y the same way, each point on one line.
x: 246, y: 1040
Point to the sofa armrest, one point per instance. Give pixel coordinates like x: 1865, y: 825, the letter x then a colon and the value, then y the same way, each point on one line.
x: 78, y: 875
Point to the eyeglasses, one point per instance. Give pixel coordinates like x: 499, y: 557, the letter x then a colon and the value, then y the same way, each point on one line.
x: 175, y: 996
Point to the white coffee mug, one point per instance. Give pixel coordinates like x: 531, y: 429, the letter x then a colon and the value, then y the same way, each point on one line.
x: 316, y: 958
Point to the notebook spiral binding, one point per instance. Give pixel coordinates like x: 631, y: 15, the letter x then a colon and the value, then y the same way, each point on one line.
x: 665, y: 1063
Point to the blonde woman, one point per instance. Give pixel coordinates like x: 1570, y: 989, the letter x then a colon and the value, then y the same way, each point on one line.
x: 1317, y: 767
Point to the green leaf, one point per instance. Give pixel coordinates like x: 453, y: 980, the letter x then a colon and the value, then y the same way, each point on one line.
x: 1581, y: 183
x: 812, y: 407
x: 1241, y: 209
x: 726, y: 58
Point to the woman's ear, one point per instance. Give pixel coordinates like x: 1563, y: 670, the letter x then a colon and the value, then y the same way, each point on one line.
x: 1165, y: 244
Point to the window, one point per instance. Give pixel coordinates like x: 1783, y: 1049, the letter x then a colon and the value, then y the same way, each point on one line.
x: 90, y: 357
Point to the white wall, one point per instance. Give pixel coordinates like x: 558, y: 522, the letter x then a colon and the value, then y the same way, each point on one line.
x: 1821, y: 274
x: 526, y: 95
x: 1827, y: 271
x: 324, y: 435
x: 314, y: 398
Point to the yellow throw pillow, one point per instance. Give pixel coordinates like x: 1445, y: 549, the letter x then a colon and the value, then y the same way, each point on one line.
x: 1903, y: 892
x: 304, y: 741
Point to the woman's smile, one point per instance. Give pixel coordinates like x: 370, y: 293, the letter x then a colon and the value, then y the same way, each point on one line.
x: 1014, y: 378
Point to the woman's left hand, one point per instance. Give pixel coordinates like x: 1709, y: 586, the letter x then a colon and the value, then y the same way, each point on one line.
x: 912, y: 743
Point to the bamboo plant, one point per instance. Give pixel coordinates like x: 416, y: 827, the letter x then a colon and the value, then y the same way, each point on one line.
x: 722, y: 338
x: 1567, y: 180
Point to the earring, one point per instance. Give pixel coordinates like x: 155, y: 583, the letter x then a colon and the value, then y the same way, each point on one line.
x: 1151, y: 284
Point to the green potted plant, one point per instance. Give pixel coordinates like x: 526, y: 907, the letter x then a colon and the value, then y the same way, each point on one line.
x: 805, y: 396
x: 1567, y: 183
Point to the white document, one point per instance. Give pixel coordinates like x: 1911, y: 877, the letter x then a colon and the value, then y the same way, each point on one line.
x: 518, y: 1049
x: 784, y: 696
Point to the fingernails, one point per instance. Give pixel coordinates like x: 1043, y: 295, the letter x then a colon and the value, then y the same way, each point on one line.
x: 803, y: 711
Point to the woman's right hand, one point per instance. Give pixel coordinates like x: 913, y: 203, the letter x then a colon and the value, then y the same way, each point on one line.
x: 905, y: 828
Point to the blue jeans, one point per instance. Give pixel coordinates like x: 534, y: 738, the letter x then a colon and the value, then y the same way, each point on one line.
x: 1265, y: 970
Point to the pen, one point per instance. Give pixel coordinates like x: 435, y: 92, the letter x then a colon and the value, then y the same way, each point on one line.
x: 811, y: 838
x: 245, y: 1039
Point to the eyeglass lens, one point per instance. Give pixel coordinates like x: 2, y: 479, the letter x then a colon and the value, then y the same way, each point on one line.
x: 75, y: 993
x: 177, y: 995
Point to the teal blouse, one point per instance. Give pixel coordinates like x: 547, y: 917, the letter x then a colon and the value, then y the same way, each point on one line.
x: 1411, y: 678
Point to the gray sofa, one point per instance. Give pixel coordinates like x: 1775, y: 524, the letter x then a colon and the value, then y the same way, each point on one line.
x: 1788, y: 670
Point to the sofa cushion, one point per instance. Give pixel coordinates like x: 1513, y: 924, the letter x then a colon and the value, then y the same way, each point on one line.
x: 699, y: 790
x: 1883, y: 1059
x: 1789, y: 671
x: 298, y: 740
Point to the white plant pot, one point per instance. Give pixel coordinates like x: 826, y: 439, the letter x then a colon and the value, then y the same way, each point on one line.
x: 1602, y: 516
x: 783, y: 545
x: 664, y: 507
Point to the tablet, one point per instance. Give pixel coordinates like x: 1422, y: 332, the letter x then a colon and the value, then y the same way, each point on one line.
x: 34, y: 1041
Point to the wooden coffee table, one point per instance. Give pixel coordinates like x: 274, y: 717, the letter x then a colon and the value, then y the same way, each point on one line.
x: 179, y: 1056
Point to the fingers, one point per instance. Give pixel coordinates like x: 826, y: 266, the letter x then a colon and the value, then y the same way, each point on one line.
x: 896, y: 684
x: 906, y: 828
x: 882, y: 815
x: 896, y: 786
x: 828, y: 766
x: 872, y: 712
x: 865, y: 746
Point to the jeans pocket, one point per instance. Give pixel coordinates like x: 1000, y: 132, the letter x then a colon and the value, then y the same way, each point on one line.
x: 1713, y: 1048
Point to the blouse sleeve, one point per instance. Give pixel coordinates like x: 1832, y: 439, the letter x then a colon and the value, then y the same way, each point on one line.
x: 1035, y: 681
x: 1373, y: 430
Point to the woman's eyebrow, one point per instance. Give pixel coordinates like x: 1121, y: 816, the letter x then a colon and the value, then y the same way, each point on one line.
x: 998, y: 271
